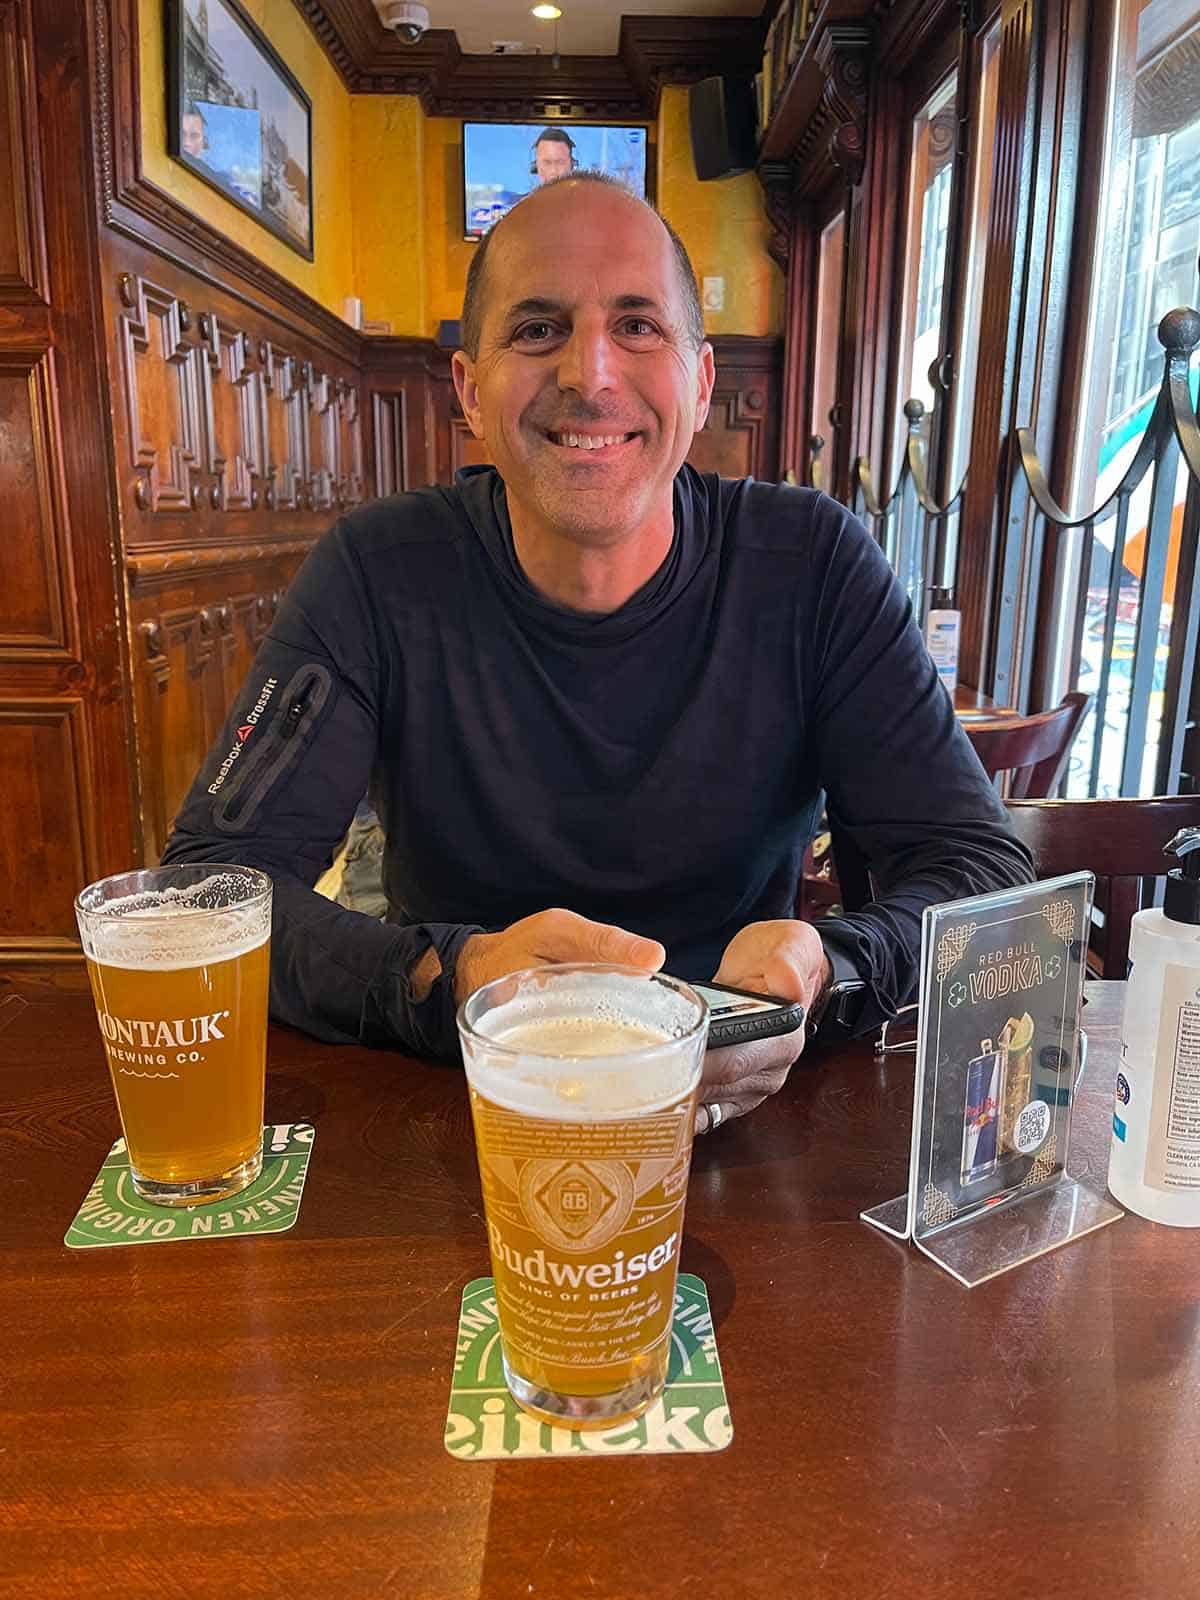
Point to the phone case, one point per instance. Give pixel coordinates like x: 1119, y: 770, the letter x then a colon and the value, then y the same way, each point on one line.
x: 760, y: 1025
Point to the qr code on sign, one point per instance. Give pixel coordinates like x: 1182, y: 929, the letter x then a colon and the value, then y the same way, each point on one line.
x: 1032, y: 1126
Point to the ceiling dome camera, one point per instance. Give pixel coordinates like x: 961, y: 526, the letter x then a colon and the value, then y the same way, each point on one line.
x: 408, y: 22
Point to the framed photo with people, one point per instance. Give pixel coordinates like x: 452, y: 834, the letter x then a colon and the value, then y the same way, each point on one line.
x: 237, y: 117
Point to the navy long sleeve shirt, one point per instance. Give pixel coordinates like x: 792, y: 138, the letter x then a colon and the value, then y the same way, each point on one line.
x: 659, y: 767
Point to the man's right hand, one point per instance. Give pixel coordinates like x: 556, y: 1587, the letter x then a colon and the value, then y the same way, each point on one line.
x: 546, y: 937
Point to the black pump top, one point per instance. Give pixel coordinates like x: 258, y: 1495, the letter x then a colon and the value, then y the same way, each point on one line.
x: 940, y: 599
x: 1181, y: 901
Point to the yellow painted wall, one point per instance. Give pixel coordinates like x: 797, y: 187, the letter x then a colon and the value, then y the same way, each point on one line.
x: 329, y: 277
x: 387, y: 184
x: 724, y: 226
x: 389, y: 178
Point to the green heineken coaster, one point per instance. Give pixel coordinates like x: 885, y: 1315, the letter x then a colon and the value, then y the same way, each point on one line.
x: 485, y: 1423
x: 113, y: 1214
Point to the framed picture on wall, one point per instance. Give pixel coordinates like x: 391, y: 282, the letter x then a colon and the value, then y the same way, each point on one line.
x: 237, y: 118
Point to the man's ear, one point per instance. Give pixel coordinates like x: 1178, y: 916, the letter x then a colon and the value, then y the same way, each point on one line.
x: 706, y: 376
x: 462, y: 369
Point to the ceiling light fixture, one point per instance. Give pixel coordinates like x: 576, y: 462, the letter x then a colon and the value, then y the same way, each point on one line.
x: 547, y: 13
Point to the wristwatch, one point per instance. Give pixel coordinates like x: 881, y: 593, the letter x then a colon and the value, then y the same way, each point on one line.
x: 836, y: 1009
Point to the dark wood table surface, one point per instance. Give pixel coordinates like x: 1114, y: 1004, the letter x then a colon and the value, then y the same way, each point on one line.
x: 260, y: 1417
x: 979, y: 710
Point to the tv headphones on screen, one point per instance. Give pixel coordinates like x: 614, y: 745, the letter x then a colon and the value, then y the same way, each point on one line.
x: 552, y: 136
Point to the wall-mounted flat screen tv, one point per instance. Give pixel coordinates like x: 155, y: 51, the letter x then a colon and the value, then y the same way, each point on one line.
x: 504, y: 160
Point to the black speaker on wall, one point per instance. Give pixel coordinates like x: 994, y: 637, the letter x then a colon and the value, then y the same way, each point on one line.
x: 721, y: 118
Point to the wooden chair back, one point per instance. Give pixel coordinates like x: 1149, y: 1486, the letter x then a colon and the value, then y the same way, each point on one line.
x: 1121, y: 841
x: 1032, y: 751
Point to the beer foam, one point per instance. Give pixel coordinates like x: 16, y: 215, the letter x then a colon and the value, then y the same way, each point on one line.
x: 579, y: 1036
x: 160, y: 930
x: 587, y: 1052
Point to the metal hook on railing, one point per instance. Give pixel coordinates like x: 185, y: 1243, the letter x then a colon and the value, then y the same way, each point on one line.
x: 1179, y: 334
x: 912, y: 466
x: 903, y: 520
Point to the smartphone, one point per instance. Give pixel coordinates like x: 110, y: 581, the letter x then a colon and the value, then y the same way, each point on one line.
x: 736, y: 1014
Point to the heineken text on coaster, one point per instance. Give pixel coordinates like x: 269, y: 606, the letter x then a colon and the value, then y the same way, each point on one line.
x: 113, y: 1213
x: 485, y: 1423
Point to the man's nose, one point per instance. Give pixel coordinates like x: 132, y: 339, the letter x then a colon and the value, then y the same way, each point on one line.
x: 588, y: 364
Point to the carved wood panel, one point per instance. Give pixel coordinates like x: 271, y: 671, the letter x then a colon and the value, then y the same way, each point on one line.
x: 66, y: 814
x: 389, y: 421
x: 351, y: 484
x: 232, y: 414
x: 730, y: 441
x: 283, y: 390
x: 163, y: 397
x: 741, y: 437
x: 22, y: 236
x: 44, y: 863
x: 181, y: 698
x: 320, y: 397
x: 196, y: 629
x: 34, y: 605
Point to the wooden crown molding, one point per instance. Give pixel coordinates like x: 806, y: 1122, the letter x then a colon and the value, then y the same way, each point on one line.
x: 818, y: 130
x: 652, y: 51
x: 911, y: 31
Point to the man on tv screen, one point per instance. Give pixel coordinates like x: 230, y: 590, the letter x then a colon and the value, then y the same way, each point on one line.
x: 553, y: 155
x: 193, y: 135
x: 598, y: 695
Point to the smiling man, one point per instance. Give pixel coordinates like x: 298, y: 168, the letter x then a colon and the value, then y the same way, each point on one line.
x: 597, y: 695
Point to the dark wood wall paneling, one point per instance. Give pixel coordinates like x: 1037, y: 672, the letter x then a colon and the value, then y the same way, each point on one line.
x: 178, y: 424
x: 238, y: 438
x: 63, y: 705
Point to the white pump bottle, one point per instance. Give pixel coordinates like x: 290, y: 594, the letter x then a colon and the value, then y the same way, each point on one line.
x: 1154, y: 1162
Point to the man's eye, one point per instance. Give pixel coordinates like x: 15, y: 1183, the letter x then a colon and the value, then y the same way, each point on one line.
x: 639, y: 328
x: 534, y: 333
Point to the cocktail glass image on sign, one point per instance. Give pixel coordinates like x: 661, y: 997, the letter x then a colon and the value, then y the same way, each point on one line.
x: 179, y: 961
x: 583, y: 1083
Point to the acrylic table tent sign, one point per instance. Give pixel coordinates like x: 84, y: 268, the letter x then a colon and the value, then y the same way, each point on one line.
x: 1000, y: 1053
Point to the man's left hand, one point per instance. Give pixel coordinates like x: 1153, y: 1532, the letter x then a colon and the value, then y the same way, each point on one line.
x: 785, y: 959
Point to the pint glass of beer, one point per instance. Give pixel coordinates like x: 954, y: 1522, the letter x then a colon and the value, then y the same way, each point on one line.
x: 583, y: 1083
x: 178, y: 958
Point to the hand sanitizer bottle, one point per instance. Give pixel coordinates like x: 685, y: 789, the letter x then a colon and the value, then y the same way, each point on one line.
x: 941, y: 637
x: 1154, y: 1161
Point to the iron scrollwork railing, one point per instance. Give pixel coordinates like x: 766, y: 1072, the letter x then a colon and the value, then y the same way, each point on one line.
x: 1171, y: 434
x: 909, y: 524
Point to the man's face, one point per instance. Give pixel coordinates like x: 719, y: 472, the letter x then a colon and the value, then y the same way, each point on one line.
x: 586, y: 388
x: 192, y: 134
x: 552, y: 158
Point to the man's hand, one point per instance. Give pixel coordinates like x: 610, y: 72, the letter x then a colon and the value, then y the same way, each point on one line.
x: 783, y: 958
x: 545, y: 937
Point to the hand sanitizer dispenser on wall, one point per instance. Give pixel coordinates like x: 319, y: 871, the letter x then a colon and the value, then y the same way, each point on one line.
x: 1154, y: 1162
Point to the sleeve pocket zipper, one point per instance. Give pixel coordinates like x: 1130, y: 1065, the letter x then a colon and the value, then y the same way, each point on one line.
x: 304, y: 698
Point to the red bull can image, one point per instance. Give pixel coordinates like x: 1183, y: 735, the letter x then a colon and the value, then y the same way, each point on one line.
x: 981, y: 1116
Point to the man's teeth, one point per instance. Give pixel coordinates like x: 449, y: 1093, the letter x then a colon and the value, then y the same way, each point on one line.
x: 589, y: 441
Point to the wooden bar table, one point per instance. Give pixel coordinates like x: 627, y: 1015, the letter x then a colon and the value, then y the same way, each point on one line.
x: 975, y: 709
x: 263, y: 1416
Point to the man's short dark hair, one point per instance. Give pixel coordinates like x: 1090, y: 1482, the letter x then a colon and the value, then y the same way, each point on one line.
x: 554, y: 136
x: 473, y: 296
